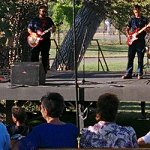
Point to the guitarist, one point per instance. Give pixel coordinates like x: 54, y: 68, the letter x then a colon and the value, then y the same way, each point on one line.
x: 136, y: 23
x: 35, y: 28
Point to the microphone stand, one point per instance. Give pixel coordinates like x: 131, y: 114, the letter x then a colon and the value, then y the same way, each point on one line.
x: 83, y: 49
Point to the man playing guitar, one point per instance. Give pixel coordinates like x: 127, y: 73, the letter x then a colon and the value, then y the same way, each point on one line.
x: 136, y: 41
x: 39, y: 30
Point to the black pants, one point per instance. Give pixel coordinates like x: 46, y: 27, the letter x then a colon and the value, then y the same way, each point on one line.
x: 43, y: 48
x: 138, y: 47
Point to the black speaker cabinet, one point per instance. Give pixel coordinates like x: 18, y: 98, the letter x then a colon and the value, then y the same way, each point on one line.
x: 27, y: 73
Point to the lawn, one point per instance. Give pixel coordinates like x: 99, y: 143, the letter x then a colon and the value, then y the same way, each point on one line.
x: 114, y: 54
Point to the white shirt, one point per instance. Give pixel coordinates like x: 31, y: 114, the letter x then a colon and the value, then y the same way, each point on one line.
x: 146, y: 138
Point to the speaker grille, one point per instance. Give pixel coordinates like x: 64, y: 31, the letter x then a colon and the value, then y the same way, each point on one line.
x: 27, y: 73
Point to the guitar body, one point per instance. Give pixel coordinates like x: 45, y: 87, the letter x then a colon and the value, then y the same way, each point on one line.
x: 33, y: 41
x: 132, y: 37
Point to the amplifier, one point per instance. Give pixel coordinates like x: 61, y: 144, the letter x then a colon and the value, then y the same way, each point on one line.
x: 27, y: 73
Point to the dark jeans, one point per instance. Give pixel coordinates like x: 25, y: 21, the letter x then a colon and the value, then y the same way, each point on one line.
x: 43, y: 47
x: 138, y: 47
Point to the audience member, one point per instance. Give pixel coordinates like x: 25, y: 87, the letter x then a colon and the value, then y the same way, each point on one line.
x: 106, y: 133
x: 4, y: 138
x: 19, y: 129
x: 54, y: 133
x: 144, y: 139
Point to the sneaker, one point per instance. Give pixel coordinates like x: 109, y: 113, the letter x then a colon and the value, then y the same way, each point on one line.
x: 127, y: 76
x: 140, y: 77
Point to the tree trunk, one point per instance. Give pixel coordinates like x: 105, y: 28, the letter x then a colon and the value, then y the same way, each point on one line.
x: 86, y: 23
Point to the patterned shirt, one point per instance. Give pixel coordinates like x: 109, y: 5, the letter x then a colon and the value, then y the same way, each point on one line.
x: 108, y: 135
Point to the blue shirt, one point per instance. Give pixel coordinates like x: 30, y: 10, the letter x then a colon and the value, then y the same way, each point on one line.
x: 50, y: 136
x: 4, y: 138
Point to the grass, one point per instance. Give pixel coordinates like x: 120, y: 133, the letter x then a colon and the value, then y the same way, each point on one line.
x: 92, y: 51
x: 116, y: 66
x: 117, y: 52
x: 120, y: 50
x: 108, y: 52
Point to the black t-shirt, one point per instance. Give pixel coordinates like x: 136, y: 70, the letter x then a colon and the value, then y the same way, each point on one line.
x: 137, y: 24
x: 41, y: 25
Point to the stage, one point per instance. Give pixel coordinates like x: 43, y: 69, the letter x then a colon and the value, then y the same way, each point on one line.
x: 91, y: 85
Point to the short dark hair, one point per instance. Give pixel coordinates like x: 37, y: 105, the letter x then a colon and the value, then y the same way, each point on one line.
x: 136, y: 7
x: 54, y: 103
x: 19, y: 113
x: 42, y: 7
x: 107, y: 107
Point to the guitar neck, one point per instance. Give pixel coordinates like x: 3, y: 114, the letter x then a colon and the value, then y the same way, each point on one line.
x: 142, y: 30
x: 46, y: 31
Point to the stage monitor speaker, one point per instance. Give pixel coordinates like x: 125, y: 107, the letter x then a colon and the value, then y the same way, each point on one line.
x: 27, y: 73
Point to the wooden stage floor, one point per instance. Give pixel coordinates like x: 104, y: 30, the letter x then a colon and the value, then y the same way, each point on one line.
x: 96, y: 83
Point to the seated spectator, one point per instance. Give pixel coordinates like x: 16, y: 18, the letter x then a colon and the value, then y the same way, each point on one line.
x: 4, y: 138
x: 106, y: 133
x: 54, y: 133
x: 19, y: 129
x: 144, y: 139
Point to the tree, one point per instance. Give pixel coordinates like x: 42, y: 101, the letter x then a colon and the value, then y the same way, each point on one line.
x: 15, y: 15
x: 87, y: 21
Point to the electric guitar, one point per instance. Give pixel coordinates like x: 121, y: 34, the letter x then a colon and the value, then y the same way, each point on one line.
x: 33, y: 40
x: 133, y: 35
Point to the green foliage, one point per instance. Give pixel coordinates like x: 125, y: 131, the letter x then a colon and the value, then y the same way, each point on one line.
x: 6, y: 10
x: 63, y: 12
x: 118, y: 10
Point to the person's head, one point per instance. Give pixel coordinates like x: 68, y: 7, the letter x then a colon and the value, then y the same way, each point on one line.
x: 137, y: 10
x: 107, y: 107
x: 18, y: 114
x: 42, y: 11
x: 52, y: 105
